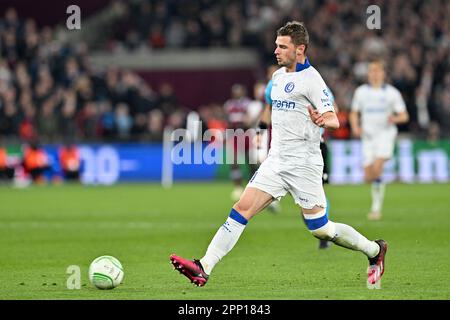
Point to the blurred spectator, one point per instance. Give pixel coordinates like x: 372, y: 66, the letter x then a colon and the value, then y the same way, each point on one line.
x: 84, y: 92
x: 167, y: 102
x: 72, y: 72
x: 139, y: 126
x: 434, y: 133
x: 156, y: 38
x: 213, y: 118
x: 88, y: 121
x: 177, y: 120
x: 107, y: 120
x: 123, y: 121
x: 155, y: 126
x: 9, y: 120
x: 67, y: 118
x: 132, y: 40
x: 175, y: 34
x: 47, y: 122
x: 49, y: 89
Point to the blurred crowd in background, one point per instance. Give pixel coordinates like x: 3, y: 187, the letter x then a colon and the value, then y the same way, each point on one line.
x: 51, y: 91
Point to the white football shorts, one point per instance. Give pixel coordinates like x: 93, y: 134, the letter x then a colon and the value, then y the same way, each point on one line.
x: 303, y: 182
x: 378, y: 146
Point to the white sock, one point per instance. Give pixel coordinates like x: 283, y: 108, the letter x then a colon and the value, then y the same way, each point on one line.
x: 222, y: 243
x: 377, y: 196
x: 348, y: 237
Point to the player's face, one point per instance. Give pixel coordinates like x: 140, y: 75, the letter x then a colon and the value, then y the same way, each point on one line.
x: 238, y: 92
x: 375, y: 73
x: 285, y: 51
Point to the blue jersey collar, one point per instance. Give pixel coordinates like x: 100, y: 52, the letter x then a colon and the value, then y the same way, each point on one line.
x: 383, y: 86
x: 300, y: 67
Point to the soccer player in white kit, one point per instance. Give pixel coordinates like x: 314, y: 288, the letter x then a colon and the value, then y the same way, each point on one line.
x: 300, y: 107
x: 381, y: 107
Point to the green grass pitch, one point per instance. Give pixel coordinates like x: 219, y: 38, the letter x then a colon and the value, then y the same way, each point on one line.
x: 44, y: 230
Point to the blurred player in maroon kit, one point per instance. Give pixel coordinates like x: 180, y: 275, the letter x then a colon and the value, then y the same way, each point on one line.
x: 236, y: 109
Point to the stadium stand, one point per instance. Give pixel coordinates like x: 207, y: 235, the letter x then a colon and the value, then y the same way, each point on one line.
x: 50, y: 88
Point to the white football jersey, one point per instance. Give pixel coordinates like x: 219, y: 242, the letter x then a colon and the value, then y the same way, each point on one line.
x: 294, y: 136
x: 375, y: 106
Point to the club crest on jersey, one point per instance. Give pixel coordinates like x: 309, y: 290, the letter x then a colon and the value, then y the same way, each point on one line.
x: 289, y: 87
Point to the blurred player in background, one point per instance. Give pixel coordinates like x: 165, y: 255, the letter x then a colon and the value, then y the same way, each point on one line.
x: 6, y: 170
x: 36, y: 162
x: 257, y: 152
x: 236, y: 110
x: 259, y: 148
x: 70, y: 162
x: 294, y: 164
x: 381, y: 108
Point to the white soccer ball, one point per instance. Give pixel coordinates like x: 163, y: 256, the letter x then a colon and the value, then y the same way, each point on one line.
x: 106, y: 272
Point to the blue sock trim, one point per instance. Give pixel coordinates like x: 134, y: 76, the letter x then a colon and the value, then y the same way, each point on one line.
x: 314, y: 224
x: 377, y: 181
x: 236, y: 216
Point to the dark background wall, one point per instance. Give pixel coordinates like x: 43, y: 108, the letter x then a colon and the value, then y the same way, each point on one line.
x: 51, y: 12
x: 195, y: 88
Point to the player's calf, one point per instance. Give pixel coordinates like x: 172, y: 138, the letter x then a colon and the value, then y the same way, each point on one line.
x: 252, y: 202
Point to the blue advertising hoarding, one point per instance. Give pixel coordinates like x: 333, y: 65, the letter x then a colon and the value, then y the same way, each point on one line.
x: 413, y: 161
x: 111, y: 163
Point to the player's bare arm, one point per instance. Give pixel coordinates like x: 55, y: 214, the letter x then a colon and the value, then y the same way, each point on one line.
x: 266, y: 114
x: 399, y: 118
x: 327, y: 120
x: 354, y: 124
x: 264, y: 122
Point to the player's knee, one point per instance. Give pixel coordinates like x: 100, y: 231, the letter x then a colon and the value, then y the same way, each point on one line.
x: 377, y: 168
x: 377, y: 173
x: 368, y: 175
x: 244, y: 208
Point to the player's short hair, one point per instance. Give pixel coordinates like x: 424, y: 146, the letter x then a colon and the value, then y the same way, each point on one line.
x: 378, y: 60
x: 297, y: 31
